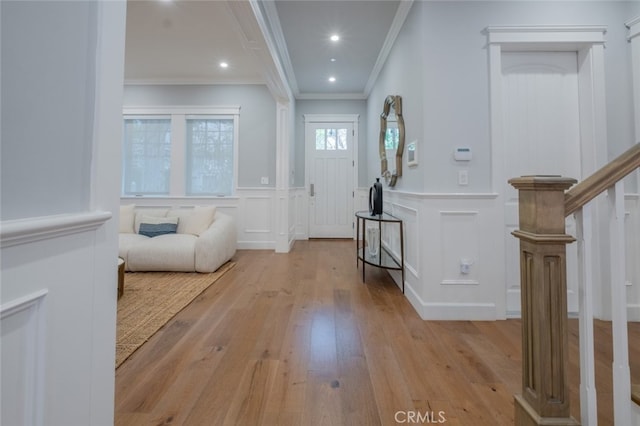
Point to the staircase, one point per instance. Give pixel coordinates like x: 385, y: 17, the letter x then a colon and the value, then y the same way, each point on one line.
x: 544, y: 202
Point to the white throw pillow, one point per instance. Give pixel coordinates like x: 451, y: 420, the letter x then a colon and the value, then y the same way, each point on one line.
x: 194, y: 221
x: 127, y: 216
x: 155, y: 220
x: 147, y: 212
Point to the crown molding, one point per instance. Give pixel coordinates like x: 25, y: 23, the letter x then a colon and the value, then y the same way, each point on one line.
x: 394, y: 30
x: 252, y: 26
x: 190, y: 82
x: 272, y: 17
x: 331, y: 96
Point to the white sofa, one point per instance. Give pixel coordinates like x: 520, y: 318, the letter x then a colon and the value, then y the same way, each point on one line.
x: 202, y: 239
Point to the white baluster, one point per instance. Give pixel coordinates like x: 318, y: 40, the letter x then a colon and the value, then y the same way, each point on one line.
x: 588, y: 404
x: 621, y: 372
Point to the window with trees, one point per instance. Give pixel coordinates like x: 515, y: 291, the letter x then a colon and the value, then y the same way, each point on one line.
x: 180, y: 151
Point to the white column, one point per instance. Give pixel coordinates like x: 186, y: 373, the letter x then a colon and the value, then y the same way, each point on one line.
x: 620, y: 367
x: 283, y: 241
x: 588, y: 404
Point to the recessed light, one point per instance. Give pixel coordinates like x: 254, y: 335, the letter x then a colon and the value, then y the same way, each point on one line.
x: 334, y: 37
x: 224, y: 65
x: 332, y: 79
x: 332, y: 59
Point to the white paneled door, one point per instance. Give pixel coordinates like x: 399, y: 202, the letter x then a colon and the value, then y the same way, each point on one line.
x: 330, y: 179
x: 541, y: 130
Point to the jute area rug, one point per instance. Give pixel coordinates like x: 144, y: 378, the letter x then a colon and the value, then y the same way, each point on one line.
x: 151, y: 299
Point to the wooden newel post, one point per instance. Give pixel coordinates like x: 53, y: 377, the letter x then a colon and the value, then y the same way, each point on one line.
x: 543, y: 285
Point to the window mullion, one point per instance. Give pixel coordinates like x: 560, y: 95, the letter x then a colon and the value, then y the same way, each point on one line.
x: 178, y: 155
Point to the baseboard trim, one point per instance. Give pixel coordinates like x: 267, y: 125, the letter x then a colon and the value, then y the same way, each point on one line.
x: 453, y: 311
x: 256, y: 245
x: 633, y: 312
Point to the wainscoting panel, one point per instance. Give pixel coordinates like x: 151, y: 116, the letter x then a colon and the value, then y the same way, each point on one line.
x: 409, y: 216
x: 301, y: 209
x: 512, y: 271
x: 460, y: 245
x: 293, y: 199
x: 57, y: 316
x: 23, y: 348
x: 441, y: 232
x: 256, y: 212
x: 632, y: 234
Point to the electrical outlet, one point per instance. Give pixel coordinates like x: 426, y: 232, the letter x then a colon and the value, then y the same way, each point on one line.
x: 463, y: 177
x: 264, y: 180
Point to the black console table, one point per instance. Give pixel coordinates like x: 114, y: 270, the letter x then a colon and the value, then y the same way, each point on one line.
x: 383, y: 258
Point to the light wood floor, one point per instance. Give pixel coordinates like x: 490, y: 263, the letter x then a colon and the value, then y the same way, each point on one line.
x: 298, y: 339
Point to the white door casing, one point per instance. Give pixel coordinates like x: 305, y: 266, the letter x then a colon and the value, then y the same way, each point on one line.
x: 587, y: 43
x: 541, y: 131
x: 330, y: 143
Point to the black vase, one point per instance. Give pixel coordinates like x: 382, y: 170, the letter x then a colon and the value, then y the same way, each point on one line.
x: 375, y: 198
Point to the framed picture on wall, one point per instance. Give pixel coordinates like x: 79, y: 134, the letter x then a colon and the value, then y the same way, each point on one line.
x: 412, y: 154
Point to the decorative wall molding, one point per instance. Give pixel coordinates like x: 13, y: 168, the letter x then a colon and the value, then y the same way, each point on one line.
x: 182, y: 110
x: 634, y: 28
x: 29, y: 230
x: 562, y: 37
x: 333, y: 118
x: 445, y: 195
x: 271, y: 16
x: 459, y: 311
x: 632, y: 249
x: 188, y: 82
x: 26, y: 350
x: 398, y: 21
x: 459, y: 238
x: 459, y: 282
x: 409, y: 215
x: 257, y: 215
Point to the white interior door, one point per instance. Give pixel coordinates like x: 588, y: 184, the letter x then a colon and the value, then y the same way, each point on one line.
x: 330, y: 179
x: 541, y: 128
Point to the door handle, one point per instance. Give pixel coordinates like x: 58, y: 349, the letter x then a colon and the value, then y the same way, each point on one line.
x: 313, y: 190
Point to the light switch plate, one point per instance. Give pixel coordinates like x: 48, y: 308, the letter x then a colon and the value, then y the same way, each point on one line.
x: 463, y: 177
x: 264, y: 180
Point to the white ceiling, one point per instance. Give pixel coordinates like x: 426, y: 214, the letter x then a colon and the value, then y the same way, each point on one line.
x: 183, y: 42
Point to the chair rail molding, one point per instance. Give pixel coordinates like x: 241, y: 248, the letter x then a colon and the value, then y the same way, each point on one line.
x: 23, y: 231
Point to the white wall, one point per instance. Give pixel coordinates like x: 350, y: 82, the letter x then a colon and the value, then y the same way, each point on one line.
x: 439, y: 65
x: 45, y: 158
x: 402, y: 75
x: 62, y: 74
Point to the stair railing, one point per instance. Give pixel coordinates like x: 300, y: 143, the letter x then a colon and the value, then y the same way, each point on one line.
x: 544, y: 202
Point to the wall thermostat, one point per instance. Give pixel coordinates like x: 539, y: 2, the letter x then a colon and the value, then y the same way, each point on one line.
x: 462, y: 154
